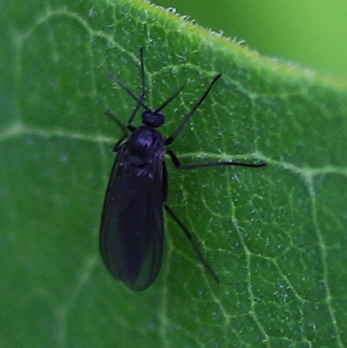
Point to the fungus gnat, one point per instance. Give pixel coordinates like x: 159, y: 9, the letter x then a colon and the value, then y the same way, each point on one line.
x: 132, y: 231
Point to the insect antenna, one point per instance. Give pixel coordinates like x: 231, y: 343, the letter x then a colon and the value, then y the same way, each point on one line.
x: 162, y: 106
x: 139, y: 101
x: 143, y: 90
x: 127, y: 89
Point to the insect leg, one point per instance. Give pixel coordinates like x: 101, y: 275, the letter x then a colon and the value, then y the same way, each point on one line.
x: 186, y: 118
x: 121, y: 126
x: 119, y: 123
x: 192, y: 242
x: 178, y: 165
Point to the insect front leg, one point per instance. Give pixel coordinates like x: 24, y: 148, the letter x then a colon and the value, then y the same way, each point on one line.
x: 121, y: 126
x: 177, y: 163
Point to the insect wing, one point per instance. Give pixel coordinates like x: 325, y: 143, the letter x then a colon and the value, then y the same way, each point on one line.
x: 131, y: 239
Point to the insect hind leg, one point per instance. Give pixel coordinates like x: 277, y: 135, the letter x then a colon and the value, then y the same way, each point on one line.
x: 192, y: 242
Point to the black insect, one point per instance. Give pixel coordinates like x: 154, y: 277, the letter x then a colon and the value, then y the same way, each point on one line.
x: 131, y: 239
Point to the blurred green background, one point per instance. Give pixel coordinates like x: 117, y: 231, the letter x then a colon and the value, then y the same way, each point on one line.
x: 311, y: 33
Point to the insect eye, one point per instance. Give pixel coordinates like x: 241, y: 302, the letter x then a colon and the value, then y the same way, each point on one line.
x: 152, y: 119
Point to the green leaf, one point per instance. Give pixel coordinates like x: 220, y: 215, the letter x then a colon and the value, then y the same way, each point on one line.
x: 276, y: 236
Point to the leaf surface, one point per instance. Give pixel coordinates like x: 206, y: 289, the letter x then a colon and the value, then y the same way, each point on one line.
x: 276, y: 236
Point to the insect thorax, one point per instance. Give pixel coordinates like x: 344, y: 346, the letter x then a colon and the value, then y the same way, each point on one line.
x: 145, y: 143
